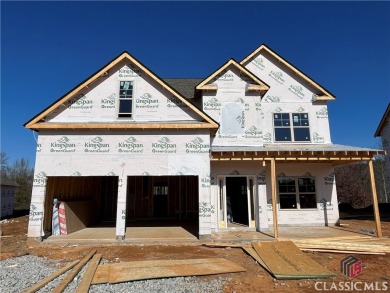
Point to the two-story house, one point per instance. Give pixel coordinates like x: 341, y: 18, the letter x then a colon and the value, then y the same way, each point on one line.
x: 249, y: 147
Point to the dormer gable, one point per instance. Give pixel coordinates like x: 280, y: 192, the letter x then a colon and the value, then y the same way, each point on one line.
x: 263, y: 57
x: 154, y: 102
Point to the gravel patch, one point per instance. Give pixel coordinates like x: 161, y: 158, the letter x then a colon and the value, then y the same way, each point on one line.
x: 18, y: 274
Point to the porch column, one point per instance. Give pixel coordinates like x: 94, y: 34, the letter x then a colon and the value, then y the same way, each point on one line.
x: 273, y: 193
x: 121, y: 209
x: 375, y: 200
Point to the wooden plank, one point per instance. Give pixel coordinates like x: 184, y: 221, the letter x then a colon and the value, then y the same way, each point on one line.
x: 341, y: 251
x: 286, y: 261
x: 375, y: 201
x: 50, y: 278
x: 249, y: 249
x: 223, y: 245
x: 101, y: 274
x: 152, y: 269
x: 273, y: 193
x: 88, y: 276
x: 62, y: 285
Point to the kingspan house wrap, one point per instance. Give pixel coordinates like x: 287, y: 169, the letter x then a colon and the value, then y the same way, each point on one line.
x: 248, y: 147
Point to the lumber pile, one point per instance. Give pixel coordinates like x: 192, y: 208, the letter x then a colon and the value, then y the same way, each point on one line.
x: 348, y: 244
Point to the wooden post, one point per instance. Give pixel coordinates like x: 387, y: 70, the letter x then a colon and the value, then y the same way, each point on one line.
x: 273, y: 193
x: 375, y: 201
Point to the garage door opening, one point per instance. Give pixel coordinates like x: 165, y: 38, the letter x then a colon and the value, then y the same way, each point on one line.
x: 163, y: 201
x: 86, y: 201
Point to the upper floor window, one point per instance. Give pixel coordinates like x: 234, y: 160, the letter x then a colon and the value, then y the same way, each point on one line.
x: 291, y: 127
x: 297, y: 193
x: 125, y: 99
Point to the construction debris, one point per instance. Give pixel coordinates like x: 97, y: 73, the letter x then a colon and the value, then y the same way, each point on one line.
x: 153, y: 269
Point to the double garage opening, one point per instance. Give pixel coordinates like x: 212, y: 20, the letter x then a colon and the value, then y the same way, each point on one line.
x: 151, y: 201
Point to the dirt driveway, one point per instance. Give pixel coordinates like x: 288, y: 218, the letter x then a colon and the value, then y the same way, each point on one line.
x: 255, y: 279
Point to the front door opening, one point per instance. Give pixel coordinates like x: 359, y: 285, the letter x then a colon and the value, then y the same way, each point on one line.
x: 237, y: 201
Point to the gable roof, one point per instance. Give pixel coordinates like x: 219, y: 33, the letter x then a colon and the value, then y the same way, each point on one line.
x: 37, y: 123
x: 383, y: 120
x: 325, y: 94
x: 263, y: 87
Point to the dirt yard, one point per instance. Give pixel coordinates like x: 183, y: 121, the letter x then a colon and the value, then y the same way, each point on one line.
x: 255, y: 279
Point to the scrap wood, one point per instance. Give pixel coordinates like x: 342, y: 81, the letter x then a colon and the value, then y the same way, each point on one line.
x: 50, y: 278
x: 249, y: 249
x: 62, y: 285
x: 153, y: 269
x: 223, y: 245
x: 286, y: 261
x: 342, y: 251
x: 359, y: 246
x: 88, y: 276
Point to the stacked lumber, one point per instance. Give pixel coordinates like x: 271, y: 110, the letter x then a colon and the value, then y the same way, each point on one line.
x: 347, y: 244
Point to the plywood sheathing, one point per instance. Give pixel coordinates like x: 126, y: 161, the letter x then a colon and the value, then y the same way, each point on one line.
x: 324, y: 95
x: 152, y: 269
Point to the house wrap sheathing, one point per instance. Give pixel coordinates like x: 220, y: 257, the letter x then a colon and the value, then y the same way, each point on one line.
x: 250, y: 148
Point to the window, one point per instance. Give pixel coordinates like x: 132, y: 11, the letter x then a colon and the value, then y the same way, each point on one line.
x: 125, y: 99
x: 291, y: 127
x: 297, y: 193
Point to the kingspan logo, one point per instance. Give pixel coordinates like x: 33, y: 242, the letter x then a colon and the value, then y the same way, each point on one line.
x: 109, y: 102
x: 97, y: 145
x: 259, y: 62
x: 175, y: 102
x: 164, y: 145
x: 197, y: 145
x: 130, y: 145
x: 80, y: 102
x: 34, y: 214
x: 130, y: 72
x: 213, y: 104
x: 278, y: 76
x: 146, y: 101
x: 253, y: 132
x: 40, y: 179
x: 224, y: 76
x: 62, y: 146
x: 297, y: 90
x: 241, y: 100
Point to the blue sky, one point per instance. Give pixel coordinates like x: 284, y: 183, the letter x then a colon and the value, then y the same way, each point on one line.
x: 47, y: 48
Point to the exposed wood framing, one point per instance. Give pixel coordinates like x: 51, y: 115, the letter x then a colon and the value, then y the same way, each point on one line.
x: 129, y: 125
x: 273, y: 193
x: 204, y: 84
x: 327, y: 96
x: 375, y: 200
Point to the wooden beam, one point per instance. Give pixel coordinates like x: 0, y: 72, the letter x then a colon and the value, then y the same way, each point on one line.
x: 85, y: 283
x: 375, y: 200
x: 51, y: 277
x: 273, y: 193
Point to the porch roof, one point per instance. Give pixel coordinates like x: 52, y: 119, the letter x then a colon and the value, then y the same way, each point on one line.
x: 334, y: 153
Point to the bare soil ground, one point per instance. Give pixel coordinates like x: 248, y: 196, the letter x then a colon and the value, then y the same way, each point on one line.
x: 255, y: 279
